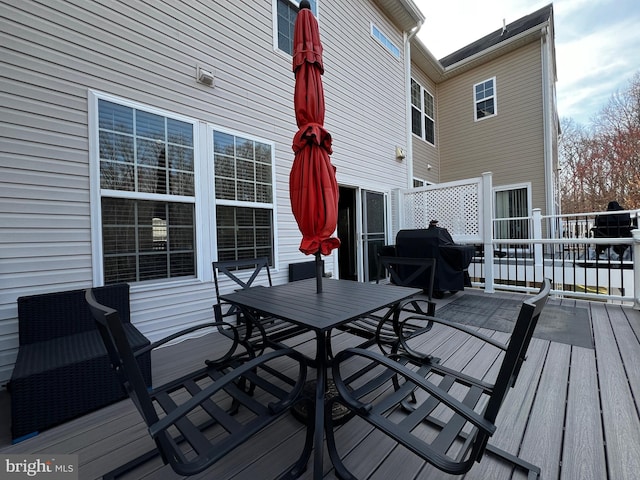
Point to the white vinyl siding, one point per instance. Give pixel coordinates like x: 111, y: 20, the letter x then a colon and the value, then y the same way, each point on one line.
x: 147, y: 53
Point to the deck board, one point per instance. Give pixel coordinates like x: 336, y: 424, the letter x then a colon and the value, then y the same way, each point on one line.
x: 583, y: 455
x: 587, y: 394
x: 619, y: 413
x: 629, y: 347
x: 542, y: 443
x: 512, y: 419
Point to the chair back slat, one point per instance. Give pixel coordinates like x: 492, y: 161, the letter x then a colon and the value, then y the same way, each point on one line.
x: 230, y: 269
x: 122, y: 358
x: 409, y: 271
x: 517, y: 349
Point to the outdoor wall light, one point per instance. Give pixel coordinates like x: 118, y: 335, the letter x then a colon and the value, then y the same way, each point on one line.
x: 400, y: 153
x: 205, y: 77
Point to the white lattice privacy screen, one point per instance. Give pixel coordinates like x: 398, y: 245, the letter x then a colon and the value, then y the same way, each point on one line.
x: 456, y: 206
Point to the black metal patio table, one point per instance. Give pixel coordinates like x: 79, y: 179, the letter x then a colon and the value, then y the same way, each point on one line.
x: 340, y: 302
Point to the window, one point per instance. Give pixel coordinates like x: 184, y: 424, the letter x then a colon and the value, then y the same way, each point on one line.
x: 512, y: 203
x: 147, y: 193
x: 384, y: 41
x: 286, y: 13
x: 418, y: 182
x: 149, y: 212
x: 244, y: 196
x: 485, y: 99
x: 422, y: 113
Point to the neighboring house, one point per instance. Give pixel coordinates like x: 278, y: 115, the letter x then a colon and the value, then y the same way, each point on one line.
x: 141, y: 141
x: 491, y: 107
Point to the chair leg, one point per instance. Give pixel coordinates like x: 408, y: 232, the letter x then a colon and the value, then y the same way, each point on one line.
x: 341, y: 471
x: 301, y: 465
x: 533, y: 472
x: 127, y: 467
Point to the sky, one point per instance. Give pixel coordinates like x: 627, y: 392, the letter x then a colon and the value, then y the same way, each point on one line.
x: 597, y: 42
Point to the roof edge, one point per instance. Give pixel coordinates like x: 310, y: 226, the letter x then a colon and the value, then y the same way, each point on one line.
x: 498, y: 49
x: 404, y: 13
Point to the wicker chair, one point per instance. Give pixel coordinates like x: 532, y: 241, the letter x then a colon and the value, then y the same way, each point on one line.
x: 62, y: 370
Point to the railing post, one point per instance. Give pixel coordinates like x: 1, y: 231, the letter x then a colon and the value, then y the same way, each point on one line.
x: 538, y: 255
x: 487, y: 234
x: 636, y: 269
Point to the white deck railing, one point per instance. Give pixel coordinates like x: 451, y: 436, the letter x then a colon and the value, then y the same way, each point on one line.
x: 559, y: 247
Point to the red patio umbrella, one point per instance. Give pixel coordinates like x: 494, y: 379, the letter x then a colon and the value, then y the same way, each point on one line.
x: 312, y: 183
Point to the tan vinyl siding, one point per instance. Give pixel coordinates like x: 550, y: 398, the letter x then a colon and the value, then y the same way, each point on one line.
x: 510, y: 144
x: 147, y: 52
x: 425, y: 153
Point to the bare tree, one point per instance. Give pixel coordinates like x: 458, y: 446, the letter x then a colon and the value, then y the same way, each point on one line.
x: 602, y: 163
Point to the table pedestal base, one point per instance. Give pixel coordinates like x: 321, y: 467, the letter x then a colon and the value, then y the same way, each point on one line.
x: 339, y: 413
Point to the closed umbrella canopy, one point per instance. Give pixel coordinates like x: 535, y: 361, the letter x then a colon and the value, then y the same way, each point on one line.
x: 312, y: 183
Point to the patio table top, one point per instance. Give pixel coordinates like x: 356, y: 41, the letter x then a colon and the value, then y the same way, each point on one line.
x: 339, y: 302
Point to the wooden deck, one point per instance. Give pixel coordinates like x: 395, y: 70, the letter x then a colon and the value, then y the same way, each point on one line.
x: 574, y: 413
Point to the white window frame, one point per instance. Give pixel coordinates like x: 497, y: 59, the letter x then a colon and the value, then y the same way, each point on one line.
x: 423, y: 114
x: 379, y: 36
x: 295, y: 4
x: 506, y: 188
x: 97, y: 193
x: 421, y: 182
x: 204, y: 193
x: 494, y: 97
x: 237, y: 203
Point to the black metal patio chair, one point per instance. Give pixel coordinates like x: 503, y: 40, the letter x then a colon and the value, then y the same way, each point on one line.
x: 440, y: 414
x: 200, y: 417
x: 382, y: 327
x: 266, y: 331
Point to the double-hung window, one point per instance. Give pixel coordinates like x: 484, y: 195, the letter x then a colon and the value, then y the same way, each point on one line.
x: 485, y: 99
x: 244, y: 196
x: 286, y: 13
x: 157, y: 194
x: 147, y: 193
x: 422, y: 113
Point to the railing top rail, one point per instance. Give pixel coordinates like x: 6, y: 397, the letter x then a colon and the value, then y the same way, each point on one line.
x: 635, y: 213
x: 564, y: 241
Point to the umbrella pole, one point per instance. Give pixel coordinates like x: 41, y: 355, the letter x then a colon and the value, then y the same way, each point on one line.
x: 318, y: 272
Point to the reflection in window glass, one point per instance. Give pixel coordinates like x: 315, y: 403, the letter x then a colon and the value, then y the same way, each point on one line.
x: 162, y: 159
x: 145, y: 153
x: 287, y: 11
x: 147, y: 240
x: 422, y: 113
x: 485, y: 101
x: 244, y: 178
